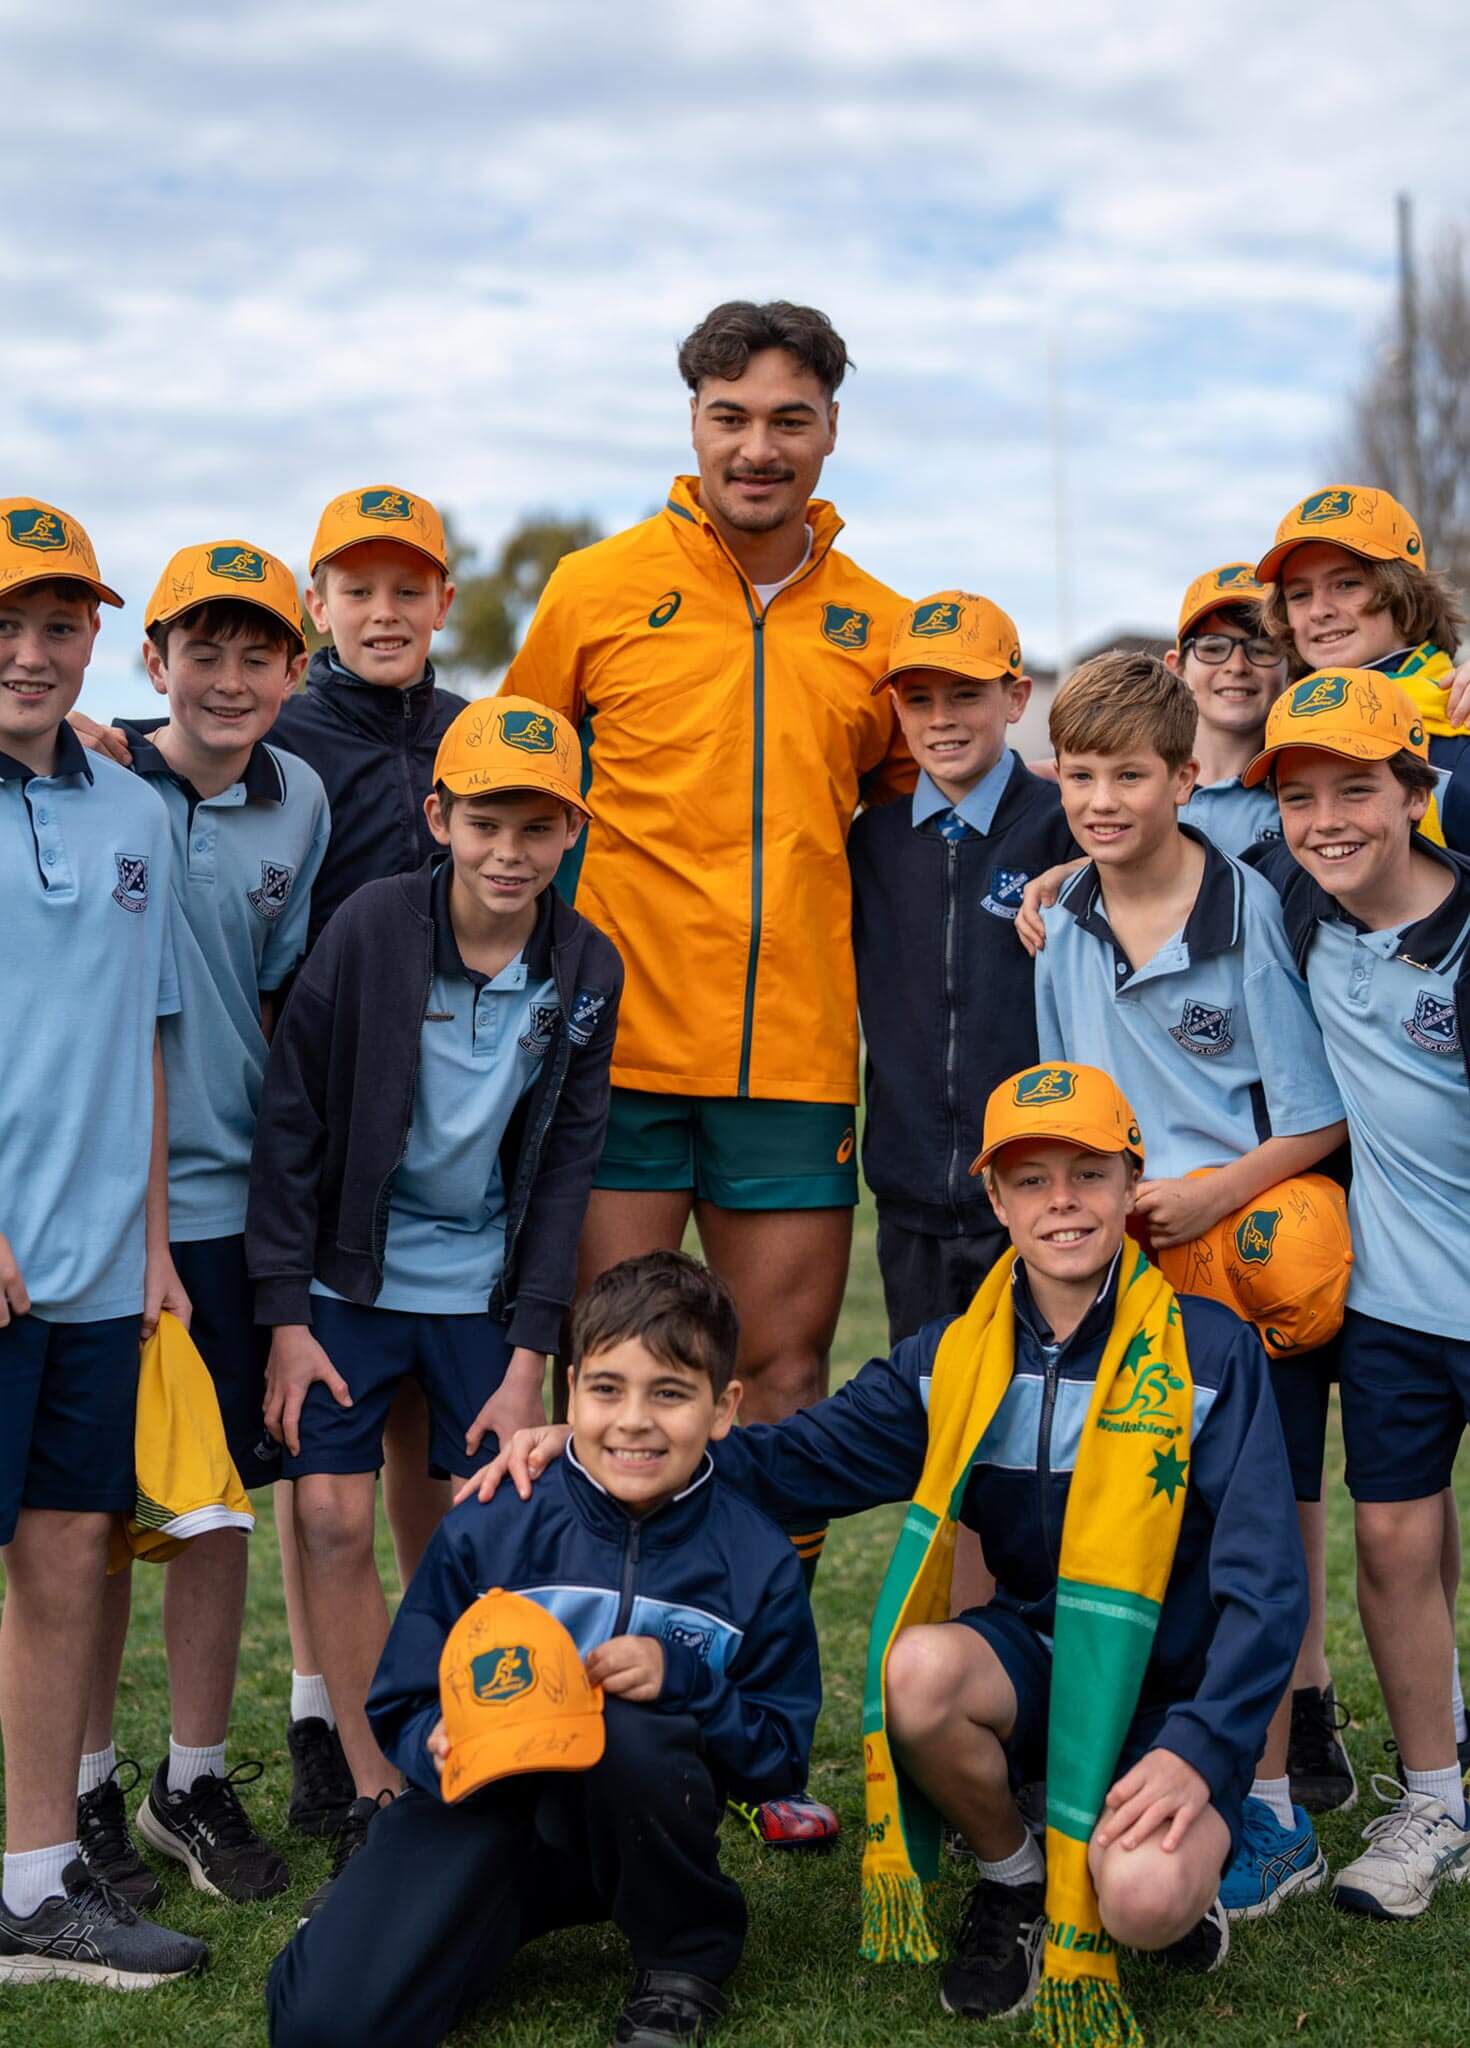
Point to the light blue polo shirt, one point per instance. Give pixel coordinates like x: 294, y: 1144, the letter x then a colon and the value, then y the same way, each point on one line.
x: 244, y: 862
x: 1393, y: 1035
x: 977, y: 806
x: 1233, y: 816
x: 1213, y: 1041
x: 88, y: 969
x: 481, y: 1047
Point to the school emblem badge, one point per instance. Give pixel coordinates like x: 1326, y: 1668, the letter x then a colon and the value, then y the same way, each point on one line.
x: 1043, y: 1085
x: 1325, y: 505
x: 132, y: 881
x: 587, y: 1007
x: 539, y: 1033
x: 933, y: 620
x: 1318, y: 694
x: 1434, y: 1026
x: 385, y: 504
x: 696, y: 1639
x: 1203, y: 1029
x: 1003, y: 897
x: 1255, y: 1238
x: 502, y: 1674
x: 844, y: 627
x: 529, y: 732
x: 239, y: 565
x: 275, y: 886
x: 31, y: 526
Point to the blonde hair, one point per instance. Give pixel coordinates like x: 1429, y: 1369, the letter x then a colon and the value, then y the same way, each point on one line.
x: 1117, y: 702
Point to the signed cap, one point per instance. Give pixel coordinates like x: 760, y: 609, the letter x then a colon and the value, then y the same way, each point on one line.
x: 1079, y: 1105
x: 226, y: 569
x: 38, y: 544
x: 1350, y: 711
x: 500, y: 743
x: 1232, y: 583
x: 514, y: 1695
x: 381, y: 512
x: 1368, y: 523
x: 958, y: 632
x: 1282, y: 1262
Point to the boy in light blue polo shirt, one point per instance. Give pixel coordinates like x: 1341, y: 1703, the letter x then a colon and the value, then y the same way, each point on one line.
x: 84, y: 1260
x: 1234, y: 669
x: 249, y: 828
x: 1166, y: 964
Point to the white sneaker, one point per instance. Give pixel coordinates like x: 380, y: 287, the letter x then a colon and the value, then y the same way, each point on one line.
x: 1411, y: 1849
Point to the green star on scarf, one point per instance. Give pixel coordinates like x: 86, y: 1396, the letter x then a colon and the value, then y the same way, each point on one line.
x: 1168, y: 1472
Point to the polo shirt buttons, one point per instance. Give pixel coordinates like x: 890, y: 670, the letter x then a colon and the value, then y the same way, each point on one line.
x: 49, y: 856
x: 43, y: 817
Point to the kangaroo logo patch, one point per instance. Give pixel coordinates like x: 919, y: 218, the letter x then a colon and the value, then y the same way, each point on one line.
x: 275, y: 886
x: 845, y: 627
x: 502, y: 1674
x: 1434, y: 1026
x: 1237, y: 575
x: 31, y: 526
x: 1003, y: 897
x: 1318, y: 694
x: 240, y: 565
x: 530, y: 732
x: 1255, y: 1239
x: 132, y: 881
x: 385, y: 504
x: 587, y: 1007
x: 1204, y: 1030
x: 932, y: 621
x: 1043, y: 1085
x: 1325, y: 505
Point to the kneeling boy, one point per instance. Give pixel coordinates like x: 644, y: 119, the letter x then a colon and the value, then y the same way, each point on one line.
x: 689, y: 1609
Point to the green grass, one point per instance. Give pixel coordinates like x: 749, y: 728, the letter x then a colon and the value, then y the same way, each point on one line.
x: 1311, y: 1975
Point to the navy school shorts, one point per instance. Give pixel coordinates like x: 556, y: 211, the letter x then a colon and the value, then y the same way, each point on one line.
x: 1302, y: 1384
x: 68, y: 1400
x: 1405, y: 1403
x: 235, y: 1348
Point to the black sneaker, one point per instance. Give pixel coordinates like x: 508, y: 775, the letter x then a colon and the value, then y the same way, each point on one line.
x: 1318, y: 1766
x: 105, y: 1843
x: 350, y: 1838
x: 211, y: 1834
x: 321, y: 1784
x: 665, y: 2006
x: 1204, y: 1948
x: 92, y: 1936
x: 997, y: 1951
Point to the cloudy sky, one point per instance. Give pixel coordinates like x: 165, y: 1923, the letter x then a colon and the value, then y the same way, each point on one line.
x: 258, y: 254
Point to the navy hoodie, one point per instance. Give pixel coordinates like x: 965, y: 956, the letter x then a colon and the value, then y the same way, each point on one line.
x: 705, y: 1574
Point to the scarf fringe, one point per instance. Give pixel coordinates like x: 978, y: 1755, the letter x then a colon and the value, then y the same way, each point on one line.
x: 1083, y: 2012
x: 895, y: 1925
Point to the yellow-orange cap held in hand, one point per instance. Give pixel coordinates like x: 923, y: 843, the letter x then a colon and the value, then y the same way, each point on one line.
x: 958, y: 632
x: 230, y: 569
x: 380, y: 512
x: 1282, y: 1262
x: 1232, y: 583
x: 1077, y: 1105
x: 1350, y: 711
x: 39, y: 544
x: 500, y: 743
x: 1369, y: 523
x: 514, y: 1695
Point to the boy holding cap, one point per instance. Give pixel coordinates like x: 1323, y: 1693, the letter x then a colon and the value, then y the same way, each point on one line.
x: 944, y: 991
x: 543, y: 1795
x: 1379, y: 920
x: 224, y: 644
x: 84, y: 1258
x: 433, y: 1109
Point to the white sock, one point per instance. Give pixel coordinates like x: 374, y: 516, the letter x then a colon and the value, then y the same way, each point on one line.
x: 186, y: 1765
x: 1025, y: 1865
x: 309, y: 1700
x: 1457, y: 1701
x: 96, y: 1769
x: 1446, y: 1786
x: 35, y: 1875
x: 1275, y: 1793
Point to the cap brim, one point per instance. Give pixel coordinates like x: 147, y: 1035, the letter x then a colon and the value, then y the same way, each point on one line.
x: 560, y: 792
x: 293, y: 626
x: 358, y: 540
x: 1364, y: 749
x: 573, y: 1742
x: 979, y: 672
x: 1269, y: 564
x: 104, y: 590
x: 1058, y: 1136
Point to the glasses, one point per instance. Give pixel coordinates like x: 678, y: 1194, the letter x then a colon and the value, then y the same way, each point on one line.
x: 1215, y: 649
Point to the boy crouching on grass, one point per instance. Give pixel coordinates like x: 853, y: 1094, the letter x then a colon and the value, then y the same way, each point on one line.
x: 688, y: 1608
x: 1118, y: 1451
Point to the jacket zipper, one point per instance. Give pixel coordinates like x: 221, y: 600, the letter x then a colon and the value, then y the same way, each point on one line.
x: 630, y: 1569
x: 1043, y: 1458
x: 951, y: 1179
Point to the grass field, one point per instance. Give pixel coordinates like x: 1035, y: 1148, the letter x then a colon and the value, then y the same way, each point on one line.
x: 1311, y: 1975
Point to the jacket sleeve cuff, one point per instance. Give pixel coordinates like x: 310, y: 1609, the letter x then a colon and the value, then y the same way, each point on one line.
x: 1216, y: 1762
x: 286, y: 1300
x: 534, y: 1325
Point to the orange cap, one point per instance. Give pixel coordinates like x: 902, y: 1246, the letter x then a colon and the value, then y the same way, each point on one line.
x: 1282, y: 1263
x: 381, y: 512
x: 226, y: 569
x: 958, y: 632
x: 1233, y: 583
x: 1364, y: 522
x: 515, y: 1696
x: 38, y: 543
x: 1351, y: 711
x: 501, y: 743
x: 1079, y: 1105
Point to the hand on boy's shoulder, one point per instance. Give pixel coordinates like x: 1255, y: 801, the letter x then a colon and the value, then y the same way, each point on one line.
x: 109, y: 740
x: 627, y: 1667
x: 1457, y: 709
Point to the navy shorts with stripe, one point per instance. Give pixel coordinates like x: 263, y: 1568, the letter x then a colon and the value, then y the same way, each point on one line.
x: 68, y: 1400
x: 459, y: 1361
x: 1405, y: 1403
x: 235, y: 1348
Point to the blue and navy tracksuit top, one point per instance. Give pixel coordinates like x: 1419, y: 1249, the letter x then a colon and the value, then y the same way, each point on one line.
x: 1236, y: 1603
x: 706, y: 1574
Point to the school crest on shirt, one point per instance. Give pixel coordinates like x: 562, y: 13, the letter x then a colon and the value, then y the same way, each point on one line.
x: 1003, y: 897
x: 502, y: 1674
x: 696, y: 1639
x: 1204, y: 1030
x: 539, y: 1033
x: 845, y: 627
x: 275, y: 886
x: 587, y: 1007
x: 132, y: 881
x: 1434, y: 1026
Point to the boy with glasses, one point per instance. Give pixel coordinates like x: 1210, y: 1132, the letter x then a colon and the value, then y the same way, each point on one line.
x: 1234, y: 670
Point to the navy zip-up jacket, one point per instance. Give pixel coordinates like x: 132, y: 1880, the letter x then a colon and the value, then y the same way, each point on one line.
x: 337, y: 1103
x: 1236, y: 1603
x: 945, y: 989
x: 706, y: 1574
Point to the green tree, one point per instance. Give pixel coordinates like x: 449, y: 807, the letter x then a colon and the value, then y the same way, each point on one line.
x: 493, y: 605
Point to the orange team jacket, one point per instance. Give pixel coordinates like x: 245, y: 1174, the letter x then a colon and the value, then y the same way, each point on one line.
x: 726, y: 751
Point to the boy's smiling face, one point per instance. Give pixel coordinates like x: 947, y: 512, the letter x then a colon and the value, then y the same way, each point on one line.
x: 505, y: 847
x: 1327, y: 592
x: 1064, y: 1206
x: 1348, y: 823
x: 640, y: 1423
x: 224, y: 692
x: 956, y: 725
x: 1122, y: 807
x: 45, y: 644
x: 381, y: 603
x: 1233, y: 696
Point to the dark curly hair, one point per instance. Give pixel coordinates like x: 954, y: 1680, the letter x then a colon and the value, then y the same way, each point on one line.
x: 726, y: 339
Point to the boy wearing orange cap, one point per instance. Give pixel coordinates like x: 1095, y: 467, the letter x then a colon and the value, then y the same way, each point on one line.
x: 1379, y: 919
x: 1233, y: 668
x: 224, y: 644
x: 433, y: 1109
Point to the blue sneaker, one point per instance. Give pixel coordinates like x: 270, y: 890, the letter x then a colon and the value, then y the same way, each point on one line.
x: 1271, y: 1863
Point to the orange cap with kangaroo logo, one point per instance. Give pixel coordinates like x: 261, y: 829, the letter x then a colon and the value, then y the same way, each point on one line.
x: 1369, y: 523
x: 1077, y: 1105
x: 1355, y: 712
x: 1282, y: 1262
x: 38, y: 544
x: 380, y: 512
x: 958, y: 632
x: 514, y: 1696
x: 1231, y: 583
x: 500, y: 743
x: 230, y: 569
